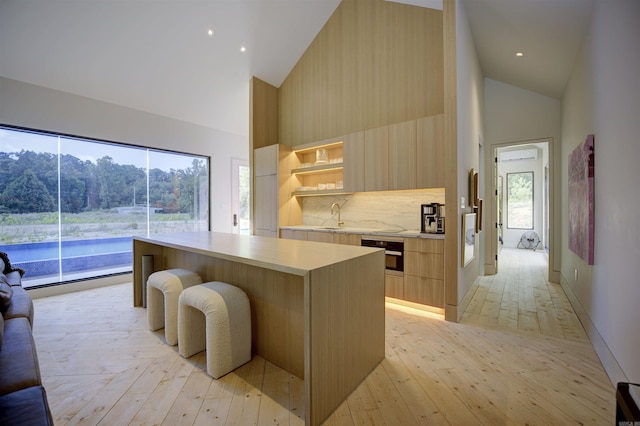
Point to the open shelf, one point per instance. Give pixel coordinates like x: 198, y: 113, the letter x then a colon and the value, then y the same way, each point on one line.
x: 317, y: 169
x: 319, y: 192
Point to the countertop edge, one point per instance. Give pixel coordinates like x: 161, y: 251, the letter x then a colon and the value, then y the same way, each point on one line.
x: 364, y: 231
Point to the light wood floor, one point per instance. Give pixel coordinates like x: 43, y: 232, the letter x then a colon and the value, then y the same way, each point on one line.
x: 520, y: 356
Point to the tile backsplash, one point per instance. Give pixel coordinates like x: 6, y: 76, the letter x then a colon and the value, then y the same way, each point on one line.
x: 398, y: 210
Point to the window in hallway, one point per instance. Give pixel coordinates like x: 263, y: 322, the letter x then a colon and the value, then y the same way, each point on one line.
x: 520, y: 200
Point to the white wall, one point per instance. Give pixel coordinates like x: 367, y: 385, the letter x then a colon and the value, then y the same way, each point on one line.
x: 603, y: 98
x: 470, y: 92
x: 514, y: 115
x: 45, y: 109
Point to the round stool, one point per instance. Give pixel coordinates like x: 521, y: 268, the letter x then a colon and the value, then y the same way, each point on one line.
x: 163, y: 291
x: 224, y: 331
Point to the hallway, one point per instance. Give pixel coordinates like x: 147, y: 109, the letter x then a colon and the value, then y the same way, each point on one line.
x: 520, y: 298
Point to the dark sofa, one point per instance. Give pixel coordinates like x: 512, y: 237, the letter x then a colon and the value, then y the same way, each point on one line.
x: 23, y: 400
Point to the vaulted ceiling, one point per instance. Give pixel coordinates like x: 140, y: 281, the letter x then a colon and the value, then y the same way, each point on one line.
x: 157, y: 56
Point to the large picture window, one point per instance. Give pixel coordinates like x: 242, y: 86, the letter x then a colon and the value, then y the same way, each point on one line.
x: 520, y: 200
x: 69, y: 207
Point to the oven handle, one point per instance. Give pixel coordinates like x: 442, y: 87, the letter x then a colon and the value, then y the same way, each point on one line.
x: 393, y: 253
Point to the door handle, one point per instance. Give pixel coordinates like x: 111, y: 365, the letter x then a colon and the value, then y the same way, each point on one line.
x: 235, y: 219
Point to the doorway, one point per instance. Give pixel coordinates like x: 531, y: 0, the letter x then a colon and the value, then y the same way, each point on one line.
x: 521, y: 199
x: 240, y: 196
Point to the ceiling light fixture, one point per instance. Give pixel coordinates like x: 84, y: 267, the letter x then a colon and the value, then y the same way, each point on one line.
x: 210, y: 32
x: 519, y: 54
x: 243, y: 49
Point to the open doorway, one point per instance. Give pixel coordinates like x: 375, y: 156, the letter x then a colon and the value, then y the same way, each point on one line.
x: 521, y: 201
x: 240, y: 196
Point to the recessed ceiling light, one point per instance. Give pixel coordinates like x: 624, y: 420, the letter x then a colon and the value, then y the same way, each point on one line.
x: 243, y: 49
x: 210, y: 32
x: 519, y: 54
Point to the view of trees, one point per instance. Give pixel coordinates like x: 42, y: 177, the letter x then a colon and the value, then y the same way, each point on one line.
x: 29, y: 184
x: 520, y: 200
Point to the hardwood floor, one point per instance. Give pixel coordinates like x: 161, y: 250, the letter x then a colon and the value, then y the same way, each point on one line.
x: 520, y: 356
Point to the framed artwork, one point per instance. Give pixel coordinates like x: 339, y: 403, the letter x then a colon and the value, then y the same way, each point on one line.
x: 581, y: 200
x: 468, y: 238
x: 478, y: 211
x: 473, y: 188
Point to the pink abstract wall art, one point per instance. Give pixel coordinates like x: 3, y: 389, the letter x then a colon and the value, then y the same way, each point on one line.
x: 581, y: 199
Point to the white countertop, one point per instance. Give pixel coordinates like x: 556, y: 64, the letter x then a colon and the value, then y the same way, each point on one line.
x: 290, y: 256
x: 405, y: 233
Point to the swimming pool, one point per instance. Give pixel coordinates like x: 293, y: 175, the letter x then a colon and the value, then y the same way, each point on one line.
x: 48, y: 258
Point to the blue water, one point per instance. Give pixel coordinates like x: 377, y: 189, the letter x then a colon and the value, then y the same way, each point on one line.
x: 45, y: 251
x: 42, y: 260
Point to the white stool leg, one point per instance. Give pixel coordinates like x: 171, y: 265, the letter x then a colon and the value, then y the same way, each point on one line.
x: 191, y: 329
x: 155, y: 308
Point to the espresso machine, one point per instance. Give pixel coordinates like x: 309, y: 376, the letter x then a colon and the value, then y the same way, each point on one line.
x: 432, y: 218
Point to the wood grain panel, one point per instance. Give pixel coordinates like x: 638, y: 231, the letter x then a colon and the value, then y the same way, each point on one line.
x: 402, y: 154
x: 293, y: 234
x: 452, y: 236
x: 428, y: 265
x: 394, y: 286
x: 374, y: 63
x: 353, y: 172
x: 345, y: 334
x: 376, y: 159
x: 320, y: 236
x: 347, y: 238
x: 263, y: 114
x: 427, y: 291
x: 424, y: 245
x: 430, y: 152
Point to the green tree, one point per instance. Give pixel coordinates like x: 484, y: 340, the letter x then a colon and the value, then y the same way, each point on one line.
x: 28, y: 194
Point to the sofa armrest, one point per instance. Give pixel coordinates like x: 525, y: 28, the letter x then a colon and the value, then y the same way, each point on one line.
x: 27, y: 406
x: 19, y: 367
x: 21, y: 305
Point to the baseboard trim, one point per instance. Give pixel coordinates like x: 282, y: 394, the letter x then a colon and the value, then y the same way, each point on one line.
x: 608, y: 360
x: 72, y: 287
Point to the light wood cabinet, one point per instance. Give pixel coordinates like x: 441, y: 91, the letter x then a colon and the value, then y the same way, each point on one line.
x: 265, y: 160
x: 402, y: 154
x: 430, y: 152
x: 424, y: 271
x: 425, y: 291
x: 347, y: 238
x: 376, y: 159
x: 394, y: 286
x: 353, y: 148
x: 265, y: 191
x: 423, y: 278
x: 320, y: 237
x: 293, y: 234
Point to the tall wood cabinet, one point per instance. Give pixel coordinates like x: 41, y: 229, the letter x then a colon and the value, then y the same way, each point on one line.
x: 265, y: 191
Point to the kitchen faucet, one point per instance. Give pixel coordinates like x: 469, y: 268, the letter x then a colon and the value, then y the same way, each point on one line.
x: 340, y: 222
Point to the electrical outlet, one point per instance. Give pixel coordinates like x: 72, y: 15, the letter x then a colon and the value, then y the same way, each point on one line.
x: 575, y: 274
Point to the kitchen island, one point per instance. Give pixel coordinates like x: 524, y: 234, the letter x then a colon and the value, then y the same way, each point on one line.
x: 317, y: 309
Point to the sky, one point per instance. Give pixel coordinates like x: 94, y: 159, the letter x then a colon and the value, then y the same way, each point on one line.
x: 16, y: 141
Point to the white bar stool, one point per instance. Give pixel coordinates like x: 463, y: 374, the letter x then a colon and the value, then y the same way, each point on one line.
x: 225, y: 330
x: 163, y: 291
